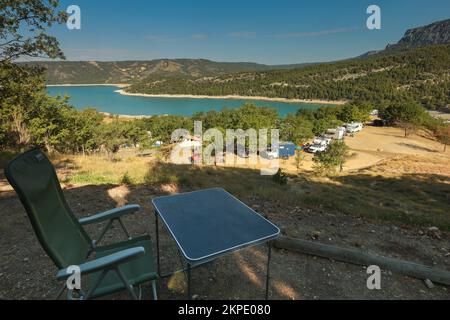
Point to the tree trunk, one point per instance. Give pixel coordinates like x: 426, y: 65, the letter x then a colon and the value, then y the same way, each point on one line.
x: 357, y: 257
x: 20, y: 128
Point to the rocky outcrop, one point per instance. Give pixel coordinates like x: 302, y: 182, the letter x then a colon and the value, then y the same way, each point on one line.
x: 435, y: 33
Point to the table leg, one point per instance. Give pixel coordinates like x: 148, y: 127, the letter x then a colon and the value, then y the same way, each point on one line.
x: 189, y: 281
x: 157, y: 243
x: 269, y: 254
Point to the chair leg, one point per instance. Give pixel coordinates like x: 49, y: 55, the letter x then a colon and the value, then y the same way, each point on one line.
x: 155, y: 296
x: 125, y: 282
x: 102, y: 234
x: 102, y: 276
x: 124, y: 229
x: 61, y: 291
x: 140, y: 292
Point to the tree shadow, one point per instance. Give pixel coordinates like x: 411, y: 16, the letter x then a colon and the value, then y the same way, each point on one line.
x: 417, y: 200
x: 417, y: 147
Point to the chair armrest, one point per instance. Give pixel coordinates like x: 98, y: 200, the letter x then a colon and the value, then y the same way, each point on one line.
x: 104, y: 263
x: 110, y: 214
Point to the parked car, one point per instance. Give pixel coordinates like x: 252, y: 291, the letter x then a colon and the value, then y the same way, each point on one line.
x: 158, y: 144
x: 242, y: 151
x: 315, y: 148
x: 321, y: 140
x: 379, y: 123
x: 272, y: 154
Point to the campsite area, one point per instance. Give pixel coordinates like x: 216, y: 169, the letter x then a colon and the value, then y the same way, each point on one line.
x: 353, y: 209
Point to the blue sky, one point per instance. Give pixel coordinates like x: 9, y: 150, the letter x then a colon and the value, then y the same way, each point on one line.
x: 264, y: 31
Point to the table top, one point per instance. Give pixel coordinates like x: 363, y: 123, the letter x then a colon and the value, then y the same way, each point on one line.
x: 212, y: 222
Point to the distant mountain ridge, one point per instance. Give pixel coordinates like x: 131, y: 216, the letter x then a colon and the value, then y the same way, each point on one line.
x: 93, y: 72
x: 432, y: 34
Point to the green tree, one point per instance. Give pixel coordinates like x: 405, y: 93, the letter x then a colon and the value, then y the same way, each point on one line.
x: 353, y: 113
x: 22, y: 29
x: 250, y: 116
x: 443, y: 136
x: 296, y: 129
x: 109, y: 137
x: 84, y: 127
x: 407, y: 114
x: 22, y: 88
x: 299, y: 157
x: 48, y: 124
x: 333, y: 158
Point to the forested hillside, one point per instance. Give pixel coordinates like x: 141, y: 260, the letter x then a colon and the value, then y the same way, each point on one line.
x: 422, y: 74
x: 96, y: 72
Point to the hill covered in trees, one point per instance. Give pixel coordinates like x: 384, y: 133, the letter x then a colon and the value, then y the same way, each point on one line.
x: 422, y: 74
x: 93, y: 72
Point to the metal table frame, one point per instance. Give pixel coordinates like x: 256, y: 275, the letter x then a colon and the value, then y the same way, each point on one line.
x: 190, y: 265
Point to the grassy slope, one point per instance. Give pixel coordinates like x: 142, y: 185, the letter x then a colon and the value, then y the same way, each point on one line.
x: 416, y: 199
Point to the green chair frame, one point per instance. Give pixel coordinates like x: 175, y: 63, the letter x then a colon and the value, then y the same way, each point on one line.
x: 112, y: 268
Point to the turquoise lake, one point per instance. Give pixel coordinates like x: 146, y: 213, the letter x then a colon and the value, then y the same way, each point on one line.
x: 105, y: 99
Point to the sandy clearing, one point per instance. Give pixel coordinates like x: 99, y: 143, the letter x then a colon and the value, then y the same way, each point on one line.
x: 190, y: 96
x: 375, y: 145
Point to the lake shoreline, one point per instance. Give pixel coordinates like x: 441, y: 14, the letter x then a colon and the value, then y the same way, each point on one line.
x: 121, y: 91
x: 118, y: 85
x: 232, y: 97
x: 129, y: 117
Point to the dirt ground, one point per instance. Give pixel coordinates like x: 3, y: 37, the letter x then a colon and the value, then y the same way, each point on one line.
x: 240, y: 275
x: 27, y: 273
x: 371, y: 146
x: 375, y: 144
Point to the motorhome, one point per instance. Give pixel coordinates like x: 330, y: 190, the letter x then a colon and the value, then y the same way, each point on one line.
x: 336, y: 134
x: 354, y: 127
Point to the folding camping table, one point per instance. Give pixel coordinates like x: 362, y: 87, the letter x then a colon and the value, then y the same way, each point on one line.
x: 208, y: 224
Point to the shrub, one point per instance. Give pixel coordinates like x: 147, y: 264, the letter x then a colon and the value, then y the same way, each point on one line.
x: 126, y: 179
x: 280, y: 177
x: 331, y: 159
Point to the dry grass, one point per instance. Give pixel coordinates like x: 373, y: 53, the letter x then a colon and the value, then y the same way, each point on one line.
x: 413, y: 190
x: 96, y: 170
x: 410, y: 188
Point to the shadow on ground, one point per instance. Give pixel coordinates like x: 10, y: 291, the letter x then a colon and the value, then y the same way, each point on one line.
x: 330, y: 211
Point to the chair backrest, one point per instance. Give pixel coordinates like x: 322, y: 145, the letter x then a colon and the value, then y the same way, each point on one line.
x: 34, y: 179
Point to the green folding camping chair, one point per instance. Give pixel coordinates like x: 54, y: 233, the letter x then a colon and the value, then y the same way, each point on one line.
x: 121, y: 266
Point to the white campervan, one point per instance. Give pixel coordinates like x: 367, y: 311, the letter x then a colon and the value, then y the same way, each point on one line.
x: 354, y: 127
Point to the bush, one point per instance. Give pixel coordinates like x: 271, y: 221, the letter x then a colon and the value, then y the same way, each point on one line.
x: 280, y: 177
x: 331, y: 159
x: 126, y: 179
